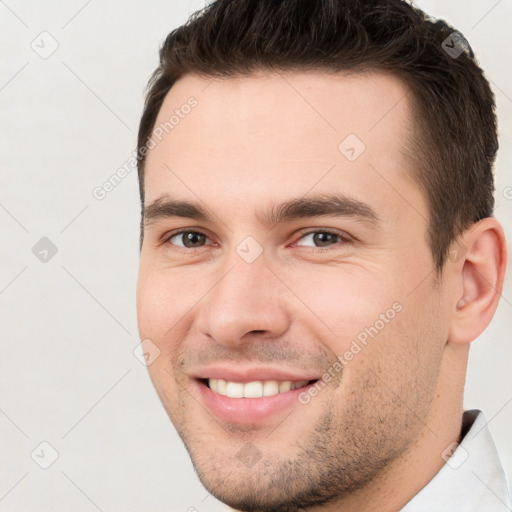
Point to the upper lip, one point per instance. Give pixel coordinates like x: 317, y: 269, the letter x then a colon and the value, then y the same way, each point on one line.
x: 251, y: 374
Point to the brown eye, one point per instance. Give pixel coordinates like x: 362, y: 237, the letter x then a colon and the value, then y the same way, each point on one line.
x: 188, y: 239
x: 319, y: 239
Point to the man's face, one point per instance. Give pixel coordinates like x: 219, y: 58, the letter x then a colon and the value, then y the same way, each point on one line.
x: 281, y: 296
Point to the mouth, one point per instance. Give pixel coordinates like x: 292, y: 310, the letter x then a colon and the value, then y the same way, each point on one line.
x: 254, y: 389
x: 245, y: 400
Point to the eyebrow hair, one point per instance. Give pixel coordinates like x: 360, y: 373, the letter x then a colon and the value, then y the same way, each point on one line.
x: 165, y: 207
x: 338, y: 205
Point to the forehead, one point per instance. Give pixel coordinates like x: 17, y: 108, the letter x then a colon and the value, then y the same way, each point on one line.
x: 272, y: 135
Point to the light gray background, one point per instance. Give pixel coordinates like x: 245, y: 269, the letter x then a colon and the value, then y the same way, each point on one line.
x: 68, y: 374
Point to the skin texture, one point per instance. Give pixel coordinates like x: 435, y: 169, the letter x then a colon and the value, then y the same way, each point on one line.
x: 373, y: 436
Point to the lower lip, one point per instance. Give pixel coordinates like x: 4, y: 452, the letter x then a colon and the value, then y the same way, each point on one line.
x: 248, y: 410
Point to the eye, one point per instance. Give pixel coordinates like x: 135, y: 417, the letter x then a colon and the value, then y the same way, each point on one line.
x: 188, y: 239
x: 320, y: 239
x: 194, y: 239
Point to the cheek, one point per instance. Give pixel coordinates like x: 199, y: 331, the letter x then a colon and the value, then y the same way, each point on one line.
x: 392, y: 379
x: 405, y: 355
x: 167, y: 301
x: 374, y: 326
x: 344, y: 302
x: 164, y: 297
x: 159, y: 310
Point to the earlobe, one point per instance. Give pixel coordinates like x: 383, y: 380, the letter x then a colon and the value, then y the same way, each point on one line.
x: 481, y: 273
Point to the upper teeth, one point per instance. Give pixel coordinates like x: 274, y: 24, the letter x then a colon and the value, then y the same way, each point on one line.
x: 254, y: 389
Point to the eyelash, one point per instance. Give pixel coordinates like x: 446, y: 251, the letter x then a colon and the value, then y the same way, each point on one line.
x: 343, y: 238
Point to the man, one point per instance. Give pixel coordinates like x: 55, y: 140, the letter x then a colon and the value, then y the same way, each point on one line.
x: 318, y: 251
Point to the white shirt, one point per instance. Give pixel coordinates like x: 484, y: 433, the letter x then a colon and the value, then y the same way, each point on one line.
x: 472, y: 478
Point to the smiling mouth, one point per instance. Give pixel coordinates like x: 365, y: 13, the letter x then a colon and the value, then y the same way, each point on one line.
x: 254, y: 389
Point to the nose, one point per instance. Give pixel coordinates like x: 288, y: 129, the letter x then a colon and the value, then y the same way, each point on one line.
x: 246, y: 299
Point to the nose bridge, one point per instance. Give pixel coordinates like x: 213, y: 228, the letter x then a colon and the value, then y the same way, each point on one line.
x: 244, y: 299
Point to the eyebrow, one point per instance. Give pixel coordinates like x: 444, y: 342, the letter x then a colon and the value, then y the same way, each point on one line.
x: 165, y: 207
x: 337, y: 205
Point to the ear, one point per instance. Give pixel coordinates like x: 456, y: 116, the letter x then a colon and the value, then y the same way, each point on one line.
x: 479, y: 273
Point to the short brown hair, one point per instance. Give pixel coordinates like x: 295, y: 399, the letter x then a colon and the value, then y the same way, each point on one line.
x: 455, y: 140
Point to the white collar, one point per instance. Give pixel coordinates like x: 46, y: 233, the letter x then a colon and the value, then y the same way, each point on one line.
x: 472, y: 478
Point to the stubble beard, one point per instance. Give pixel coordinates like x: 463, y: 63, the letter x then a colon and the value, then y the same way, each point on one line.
x: 339, y: 456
